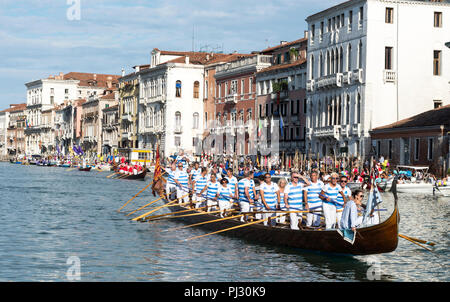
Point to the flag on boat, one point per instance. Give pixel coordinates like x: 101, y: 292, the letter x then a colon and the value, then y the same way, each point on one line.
x: 348, y: 235
x: 372, y: 202
x: 157, y: 174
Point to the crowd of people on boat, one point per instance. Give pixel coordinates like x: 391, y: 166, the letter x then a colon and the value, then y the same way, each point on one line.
x: 313, y: 199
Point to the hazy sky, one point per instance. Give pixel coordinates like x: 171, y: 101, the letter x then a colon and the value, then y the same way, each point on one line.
x: 37, y: 39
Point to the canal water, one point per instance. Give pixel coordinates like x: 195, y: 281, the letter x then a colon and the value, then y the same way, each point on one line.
x: 50, y: 216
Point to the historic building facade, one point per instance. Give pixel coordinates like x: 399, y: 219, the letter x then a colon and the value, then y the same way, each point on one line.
x: 363, y: 72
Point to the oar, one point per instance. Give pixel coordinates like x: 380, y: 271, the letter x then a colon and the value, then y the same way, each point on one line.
x: 205, y: 222
x: 232, y: 228
x: 418, y: 240
x: 171, y: 213
x: 134, y: 196
x: 112, y: 174
x: 186, y: 215
x: 156, y: 209
x: 145, y: 206
x: 404, y: 237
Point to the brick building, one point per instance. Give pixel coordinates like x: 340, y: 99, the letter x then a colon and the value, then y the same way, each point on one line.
x: 419, y: 140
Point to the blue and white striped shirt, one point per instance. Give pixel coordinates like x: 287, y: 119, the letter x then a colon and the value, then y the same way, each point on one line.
x: 232, y: 181
x: 270, y: 194
x: 332, y: 193
x: 200, y: 183
x: 183, y: 178
x: 224, y: 193
x: 212, y: 189
x: 313, y: 191
x: 340, y: 200
x: 195, y: 173
x: 171, y: 177
x: 295, y: 196
x: 242, y: 184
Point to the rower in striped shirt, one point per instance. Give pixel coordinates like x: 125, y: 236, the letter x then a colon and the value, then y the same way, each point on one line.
x: 182, y: 180
x: 270, y: 197
x: 197, y: 186
x: 171, y: 185
x: 294, y: 199
x: 247, y: 193
x: 329, y: 196
x: 211, y: 188
x: 313, y: 200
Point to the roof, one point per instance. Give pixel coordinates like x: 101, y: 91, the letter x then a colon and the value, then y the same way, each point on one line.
x: 201, y: 58
x: 111, y: 108
x: 86, y: 79
x: 435, y: 117
x: 109, y: 96
x: 283, y: 45
x: 16, y: 107
x: 296, y: 63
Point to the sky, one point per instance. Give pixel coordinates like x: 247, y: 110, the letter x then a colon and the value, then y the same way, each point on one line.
x: 39, y: 38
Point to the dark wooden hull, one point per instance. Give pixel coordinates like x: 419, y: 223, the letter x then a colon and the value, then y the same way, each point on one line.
x: 140, y: 176
x: 376, y: 239
x: 87, y: 169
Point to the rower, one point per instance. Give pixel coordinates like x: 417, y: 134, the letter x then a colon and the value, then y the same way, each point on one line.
x: 294, y: 199
x: 328, y: 195
x: 247, y: 193
x: 232, y: 182
x: 182, y: 179
x: 211, y: 188
x: 342, y: 198
x: 313, y: 200
x: 270, y: 197
x: 197, y: 186
x: 282, y: 183
x: 224, y: 196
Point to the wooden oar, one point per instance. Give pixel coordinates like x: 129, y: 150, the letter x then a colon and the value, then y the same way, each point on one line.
x: 173, y: 214
x: 404, y: 237
x: 112, y: 174
x: 134, y: 196
x: 232, y: 228
x: 419, y: 240
x: 145, y: 206
x: 205, y: 222
x: 158, y: 208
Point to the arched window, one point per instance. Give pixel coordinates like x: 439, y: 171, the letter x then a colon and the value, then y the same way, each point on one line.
x: 341, y: 60
x: 195, y: 120
x: 196, y: 89
x: 178, y: 119
x: 347, y: 110
x: 360, y: 54
x: 328, y: 63
x: 312, y: 67
x: 349, y: 57
x: 358, y: 109
x: 178, y: 89
x: 320, y: 66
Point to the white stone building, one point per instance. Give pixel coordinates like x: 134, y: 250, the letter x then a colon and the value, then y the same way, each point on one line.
x: 171, y: 101
x: 372, y: 63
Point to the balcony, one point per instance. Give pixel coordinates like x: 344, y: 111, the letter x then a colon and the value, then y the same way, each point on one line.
x: 231, y: 99
x: 329, y: 131
x: 356, y: 129
x: 310, y: 85
x: 357, y: 76
x: 347, y: 78
x: 178, y: 129
x: 127, y: 117
x: 330, y: 81
x: 389, y: 76
x: 283, y: 95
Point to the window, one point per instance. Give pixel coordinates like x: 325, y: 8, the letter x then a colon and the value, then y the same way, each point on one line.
x: 177, y: 119
x: 388, y: 58
x: 358, y: 110
x: 250, y: 85
x: 342, y: 20
x: 389, y: 15
x: 177, y: 141
x: 304, y: 106
x: 437, y: 104
x: 430, y: 149
x: 437, y: 62
x: 378, y: 148
x: 52, y: 100
x: 329, y: 25
x: 416, y: 149
x: 350, y: 20
x: 196, y: 89
x: 321, y: 31
x: 195, y: 121
x: 52, y: 90
x: 242, y: 86
x: 178, y: 89
x: 349, y: 57
x: 361, y: 16
x: 437, y: 19
x: 286, y: 57
x: 360, y: 54
x: 66, y: 91
x: 313, y: 31
x: 206, y: 89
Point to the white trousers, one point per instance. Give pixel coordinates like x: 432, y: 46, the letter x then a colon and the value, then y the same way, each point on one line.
x: 281, y: 219
x: 245, y: 207
x: 198, y: 200
x: 329, y: 211
x: 314, y: 219
x: 181, y: 193
x: 338, y: 217
x: 223, y: 206
x: 295, y: 219
x: 212, y: 204
x: 170, y: 188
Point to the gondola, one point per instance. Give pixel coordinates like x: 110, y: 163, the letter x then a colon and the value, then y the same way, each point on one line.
x: 375, y: 239
x: 139, y: 176
x: 87, y: 169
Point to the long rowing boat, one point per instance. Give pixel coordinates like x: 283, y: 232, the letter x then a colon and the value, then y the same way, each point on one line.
x: 87, y: 169
x: 375, y: 239
x: 139, y: 176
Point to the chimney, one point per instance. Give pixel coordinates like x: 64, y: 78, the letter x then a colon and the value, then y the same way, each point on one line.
x: 305, y: 34
x: 109, y: 82
x: 61, y: 76
x: 123, y: 72
x: 207, y: 57
x: 283, y: 42
x: 95, y: 76
x: 186, y: 59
